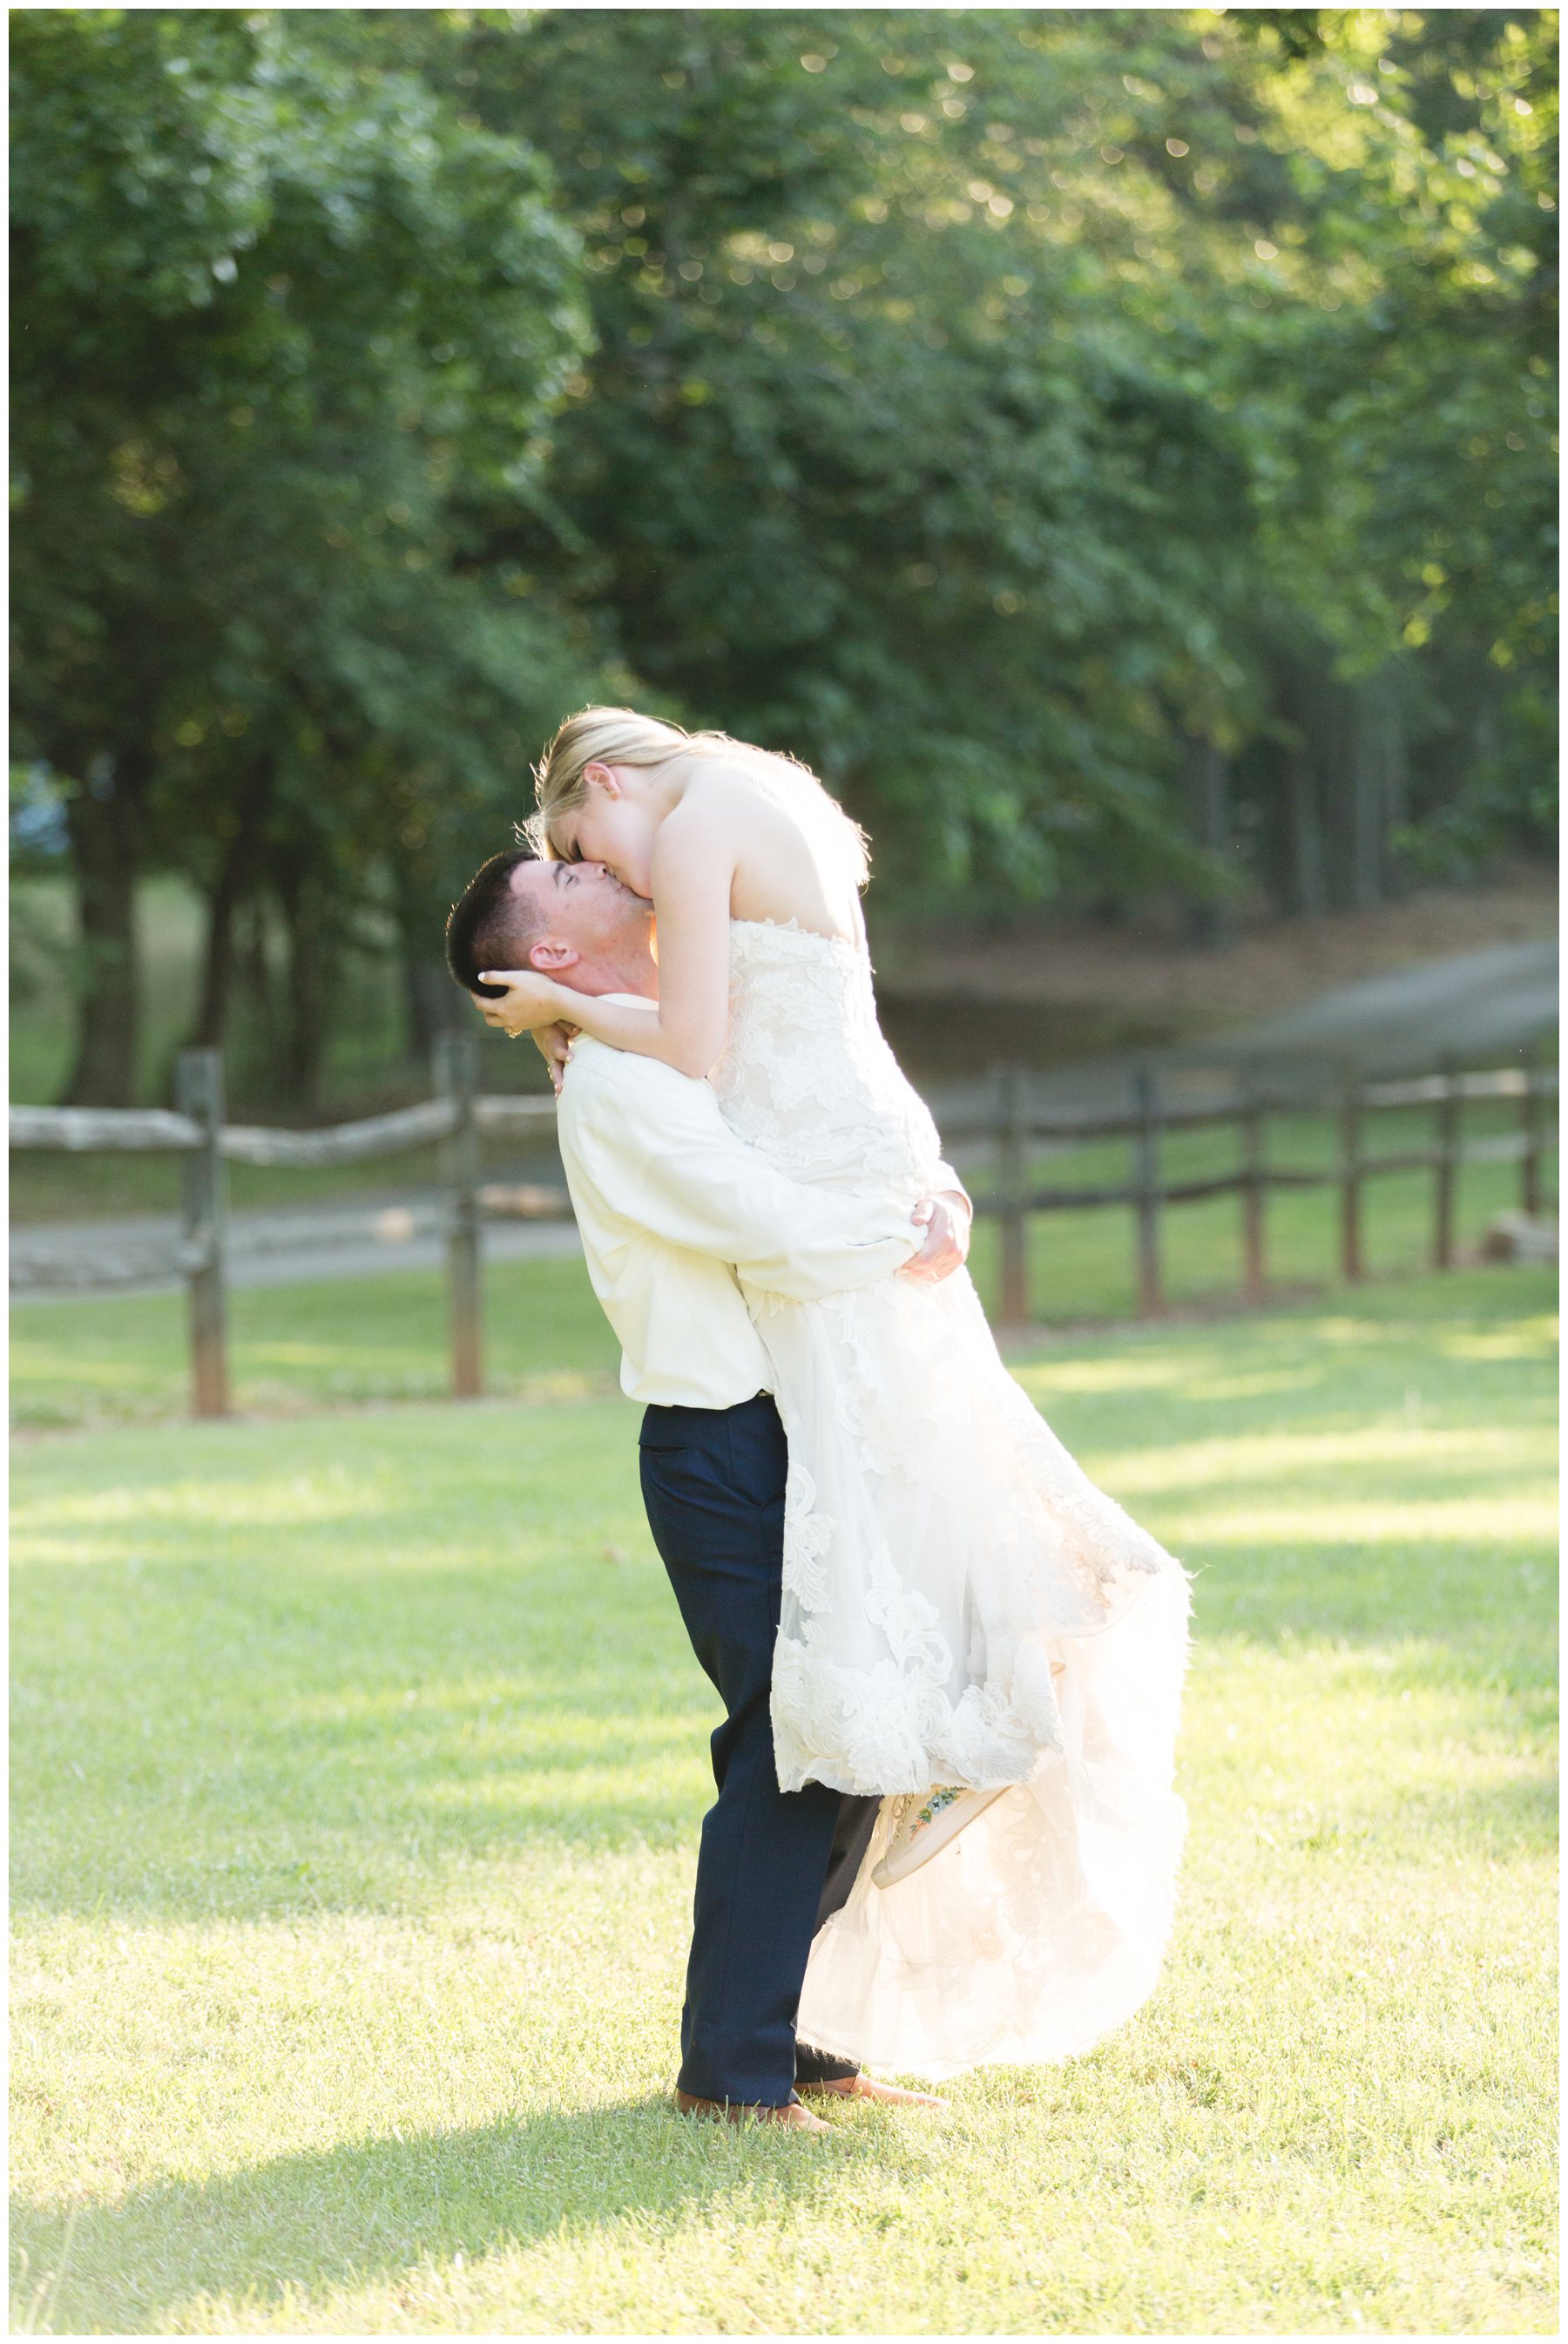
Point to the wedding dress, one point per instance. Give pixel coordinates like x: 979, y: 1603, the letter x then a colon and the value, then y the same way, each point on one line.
x: 962, y: 1605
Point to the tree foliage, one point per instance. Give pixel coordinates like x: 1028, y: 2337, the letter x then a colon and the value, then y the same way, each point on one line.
x: 1115, y: 447
x: 284, y: 319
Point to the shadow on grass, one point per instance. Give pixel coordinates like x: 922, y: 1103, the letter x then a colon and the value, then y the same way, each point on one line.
x: 366, y: 2209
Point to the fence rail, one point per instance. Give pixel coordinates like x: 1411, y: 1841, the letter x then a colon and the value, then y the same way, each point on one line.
x: 101, y: 1131
x: 1150, y: 1118
x: 460, y: 1120
x: 1190, y: 1115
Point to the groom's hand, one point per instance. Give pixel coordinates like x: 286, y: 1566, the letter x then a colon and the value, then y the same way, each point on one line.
x: 555, y: 1047
x: 946, y: 1222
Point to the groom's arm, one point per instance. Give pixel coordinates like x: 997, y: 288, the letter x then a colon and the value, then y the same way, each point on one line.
x: 654, y: 1148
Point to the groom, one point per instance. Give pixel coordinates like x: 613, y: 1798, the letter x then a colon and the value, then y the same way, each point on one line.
x: 671, y: 1204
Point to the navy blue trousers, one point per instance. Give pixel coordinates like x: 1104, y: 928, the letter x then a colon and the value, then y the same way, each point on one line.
x: 772, y: 1863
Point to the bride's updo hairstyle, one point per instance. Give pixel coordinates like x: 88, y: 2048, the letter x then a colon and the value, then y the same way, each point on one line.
x: 620, y: 736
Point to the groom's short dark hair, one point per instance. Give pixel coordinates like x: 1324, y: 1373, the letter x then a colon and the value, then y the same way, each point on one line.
x: 488, y: 926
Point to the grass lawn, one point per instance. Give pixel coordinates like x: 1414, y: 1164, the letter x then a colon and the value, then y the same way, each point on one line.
x: 293, y: 1347
x: 359, y: 1759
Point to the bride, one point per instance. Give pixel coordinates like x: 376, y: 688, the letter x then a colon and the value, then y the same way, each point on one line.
x: 970, y: 1629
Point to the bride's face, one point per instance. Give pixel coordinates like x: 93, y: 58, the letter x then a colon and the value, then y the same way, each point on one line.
x: 614, y: 825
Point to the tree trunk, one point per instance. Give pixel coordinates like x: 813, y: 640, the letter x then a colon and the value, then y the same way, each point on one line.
x: 430, y: 1003
x: 1210, y: 923
x: 307, y: 982
x: 106, y: 818
x: 234, y: 873
x: 1312, y: 892
x: 1367, y: 799
x: 430, y: 1000
x: 1396, y: 797
x: 254, y: 979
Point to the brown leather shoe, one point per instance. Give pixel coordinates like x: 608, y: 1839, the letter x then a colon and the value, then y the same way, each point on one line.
x: 866, y: 2087
x: 792, y: 2117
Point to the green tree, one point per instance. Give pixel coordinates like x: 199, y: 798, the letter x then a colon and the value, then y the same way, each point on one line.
x: 873, y: 458
x: 1397, y: 197
x: 1053, y: 423
x: 1115, y: 447
x: 284, y: 318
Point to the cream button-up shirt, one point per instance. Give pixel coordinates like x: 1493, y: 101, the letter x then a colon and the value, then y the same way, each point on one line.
x: 670, y: 1204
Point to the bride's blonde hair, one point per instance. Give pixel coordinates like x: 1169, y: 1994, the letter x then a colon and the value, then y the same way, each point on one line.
x: 620, y: 736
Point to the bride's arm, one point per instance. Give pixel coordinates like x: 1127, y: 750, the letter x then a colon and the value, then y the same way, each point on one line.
x: 691, y: 873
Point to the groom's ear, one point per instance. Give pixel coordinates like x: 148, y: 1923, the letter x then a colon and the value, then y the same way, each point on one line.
x: 549, y: 955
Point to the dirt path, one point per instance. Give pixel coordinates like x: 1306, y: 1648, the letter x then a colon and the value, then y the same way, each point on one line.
x: 1144, y: 971
x: 1472, y: 1005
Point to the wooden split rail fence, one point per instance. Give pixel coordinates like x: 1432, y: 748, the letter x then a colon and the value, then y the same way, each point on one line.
x: 207, y: 1144
x: 461, y: 1119
x: 1147, y: 1118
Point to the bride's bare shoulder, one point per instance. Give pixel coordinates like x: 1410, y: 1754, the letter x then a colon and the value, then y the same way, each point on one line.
x: 724, y: 794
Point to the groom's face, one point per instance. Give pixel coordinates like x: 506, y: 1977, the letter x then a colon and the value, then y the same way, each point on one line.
x: 585, y: 924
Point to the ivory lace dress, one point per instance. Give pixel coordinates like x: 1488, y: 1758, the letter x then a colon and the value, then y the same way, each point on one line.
x: 960, y: 1604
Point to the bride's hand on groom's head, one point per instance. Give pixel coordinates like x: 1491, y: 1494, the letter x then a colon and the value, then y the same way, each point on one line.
x: 945, y: 1247
x: 529, y: 1002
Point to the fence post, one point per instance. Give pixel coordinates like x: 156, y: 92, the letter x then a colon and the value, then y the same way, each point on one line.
x: 1146, y: 1184
x: 1448, y: 1113
x: 1352, y: 1263
x: 198, y: 1093
x: 1012, y: 1171
x: 1254, y: 1276
x: 1530, y: 1122
x: 455, y: 1079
